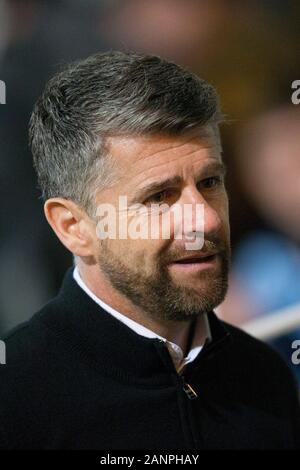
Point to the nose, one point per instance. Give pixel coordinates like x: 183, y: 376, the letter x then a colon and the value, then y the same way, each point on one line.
x: 212, y: 220
x: 203, y: 216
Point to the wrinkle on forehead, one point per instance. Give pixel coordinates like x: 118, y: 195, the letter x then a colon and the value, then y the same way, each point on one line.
x: 137, y: 155
x: 172, y: 169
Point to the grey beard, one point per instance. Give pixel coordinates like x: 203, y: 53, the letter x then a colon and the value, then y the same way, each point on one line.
x: 159, y: 296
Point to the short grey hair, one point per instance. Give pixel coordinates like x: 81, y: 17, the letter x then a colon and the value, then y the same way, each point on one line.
x: 109, y: 94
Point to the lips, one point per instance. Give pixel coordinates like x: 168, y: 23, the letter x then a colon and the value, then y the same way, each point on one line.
x: 196, y: 259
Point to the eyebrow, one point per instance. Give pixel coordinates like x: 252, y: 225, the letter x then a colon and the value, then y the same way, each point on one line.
x: 158, y: 186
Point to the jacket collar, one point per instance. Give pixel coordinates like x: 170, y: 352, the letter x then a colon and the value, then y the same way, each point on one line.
x: 113, y: 348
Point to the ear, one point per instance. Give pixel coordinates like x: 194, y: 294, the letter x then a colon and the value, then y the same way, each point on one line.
x: 71, y: 224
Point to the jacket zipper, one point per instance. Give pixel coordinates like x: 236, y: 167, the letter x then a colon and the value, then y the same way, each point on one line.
x: 187, y: 412
x: 188, y: 389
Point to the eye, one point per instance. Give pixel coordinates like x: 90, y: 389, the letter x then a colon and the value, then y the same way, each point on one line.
x: 165, y: 195
x: 211, y: 182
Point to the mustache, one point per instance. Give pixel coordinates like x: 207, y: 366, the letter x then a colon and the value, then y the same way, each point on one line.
x: 222, y: 248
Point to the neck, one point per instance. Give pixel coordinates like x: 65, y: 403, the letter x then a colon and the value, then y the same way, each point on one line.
x: 175, y: 331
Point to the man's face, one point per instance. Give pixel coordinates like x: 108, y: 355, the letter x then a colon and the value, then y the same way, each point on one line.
x: 154, y: 273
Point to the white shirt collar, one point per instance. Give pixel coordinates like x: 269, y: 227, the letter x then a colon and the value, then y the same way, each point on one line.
x: 175, y: 351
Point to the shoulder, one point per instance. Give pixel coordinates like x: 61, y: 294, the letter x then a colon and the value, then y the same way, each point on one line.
x: 258, y: 382
x: 32, y: 350
x: 259, y: 364
x: 28, y: 343
x: 35, y: 366
x: 252, y: 348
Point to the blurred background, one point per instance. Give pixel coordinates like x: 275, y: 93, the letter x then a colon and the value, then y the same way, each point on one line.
x: 250, y: 51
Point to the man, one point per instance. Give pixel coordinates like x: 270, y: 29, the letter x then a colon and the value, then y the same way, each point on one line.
x: 130, y: 353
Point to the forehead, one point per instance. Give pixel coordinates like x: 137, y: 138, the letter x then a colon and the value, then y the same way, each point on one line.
x: 141, y: 157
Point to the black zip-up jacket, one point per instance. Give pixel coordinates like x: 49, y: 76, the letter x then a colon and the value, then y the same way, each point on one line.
x: 77, y: 378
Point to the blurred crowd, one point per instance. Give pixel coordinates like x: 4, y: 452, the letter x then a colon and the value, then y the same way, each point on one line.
x: 248, y: 49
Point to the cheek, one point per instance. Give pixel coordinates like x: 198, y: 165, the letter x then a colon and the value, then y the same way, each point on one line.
x: 220, y: 204
x: 145, y: 254
x: 222, y: 209
x: 137, y: 254
x: 225, y: 216
x: 147, y: 232
x: 225, y: 212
